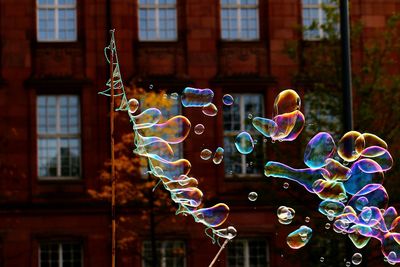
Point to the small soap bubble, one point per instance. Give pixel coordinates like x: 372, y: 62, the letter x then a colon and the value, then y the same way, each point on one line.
x: 250, y: 116
x: 285, y: 185
x: 150, y: 86
x: 218, y: 155
x: 356, y: 259
x: 133, y: 105
x: 174, y: 96
x: 205, y: 154
x: 165, y: 96
x: 244, y: 143
x: 227, y: 99
x: 307, y: 219
x: 253, y: 196
x: 348, y: 264
x: 285, y: 214
x: 299, y: 238
x: 199, y: 129
x: 321, y: 259
x: 327, y: 226
x: 210, y: 110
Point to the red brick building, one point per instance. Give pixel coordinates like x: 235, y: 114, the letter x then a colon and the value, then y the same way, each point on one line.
x: 54, y: 127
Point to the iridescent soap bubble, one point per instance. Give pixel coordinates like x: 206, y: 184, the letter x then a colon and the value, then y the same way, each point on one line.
x: 213, y: 216
x: 320, y: 148
x: 227, y: 99
x: 289, y: 125
x: 299, y: 238
x: 210, y: 110
x: 218, y: 155
x: 356, y: 259
x: 285, y: 185
x: 193, y: 97
x: 253, y: 196
x: 331, y: 207
x: 133, y: 105
x: 285, y: 214
x: 361, y: 203
x: 327, y: 226
x: 336, y: 170
x: 349, y: 144
x: 244, y: 143
x: 205, y: 154
x: 307, y: 219
x: 199, y: 129
x: 287, y: 101
x: 380, y: 156
x: 265, y: 126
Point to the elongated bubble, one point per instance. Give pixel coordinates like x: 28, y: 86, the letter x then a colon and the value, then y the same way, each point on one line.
x: 213, y: 216
x: 133, y: 105
x: 147, y: 118
x: 331, y: 207
x: 265, y: 126
x: 299, y: 238
x: 371, y: 140
x: 192, y: 97
x: 336, y: 170
x: 305, y: 177
x: 320, y: 148
x: 244, y: 143
x: 380, y: 156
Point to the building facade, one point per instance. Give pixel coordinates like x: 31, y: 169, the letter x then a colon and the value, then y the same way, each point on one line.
x: 54, y: 126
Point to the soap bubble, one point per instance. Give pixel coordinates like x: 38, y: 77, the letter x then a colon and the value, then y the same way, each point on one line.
x: 133, y: 105
x: 244, y: 143
x: 299, y: 238
x: 321, y: 259
x: 210, y: 110
x: 327, y: 226
x: 199, y: 129
x: 193, y: 97
x: 307, y: 219
x: 285, y: 185
x: 218, y: 155
x: 285, y: 214
x: 287, y: 101
x: 348, y: 264
x: 205, y: 154
x: 356, y: 258
x: 253, y: 196
x: 174, y: 96
x: 227, y: 99
x: 349, y: 144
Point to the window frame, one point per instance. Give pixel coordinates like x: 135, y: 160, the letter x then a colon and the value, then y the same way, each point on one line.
x: 56, y: 7
x: 163, y: 251
x: 239, y: 7
x: 59, y: 136
x: 253, y: 133
x: 156, y: 7
x: 60, y: 250
x: 246, y: 251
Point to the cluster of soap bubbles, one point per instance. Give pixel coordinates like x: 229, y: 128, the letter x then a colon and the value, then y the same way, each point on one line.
x: 366, y: 214
x: 286, y: 124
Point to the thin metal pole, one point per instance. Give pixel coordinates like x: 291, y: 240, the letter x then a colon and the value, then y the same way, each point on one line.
x: 219, y: 252
x: 113, y: 180
x: 346, y: 66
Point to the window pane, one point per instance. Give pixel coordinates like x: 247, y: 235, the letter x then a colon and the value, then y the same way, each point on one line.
x: 237, y: 118
x: 170, y: 253
x: 58, y: 254
x: 58, y: 128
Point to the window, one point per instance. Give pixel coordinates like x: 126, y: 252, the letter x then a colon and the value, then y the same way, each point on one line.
x: 238, y: 118
x: 56, y: 20
x: 60, y: 254
x: 170, y: 253
x: 157, y: 20
x: 239, y: 20
x: 58, y: 131
x: 248, y: 253
x: 315, y: 15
